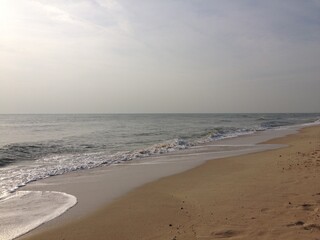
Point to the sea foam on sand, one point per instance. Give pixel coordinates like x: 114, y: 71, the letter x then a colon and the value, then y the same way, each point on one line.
x: 26, y: 210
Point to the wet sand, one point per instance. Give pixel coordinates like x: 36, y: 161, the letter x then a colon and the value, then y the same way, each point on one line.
x: 267, y: 195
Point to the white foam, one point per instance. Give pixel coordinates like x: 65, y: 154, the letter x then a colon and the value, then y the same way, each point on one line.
x: 21, y: 173
x: 23, y: 211
x: 315, y: 123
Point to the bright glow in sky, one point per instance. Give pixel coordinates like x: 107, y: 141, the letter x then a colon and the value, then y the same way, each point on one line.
x: 124, y: 56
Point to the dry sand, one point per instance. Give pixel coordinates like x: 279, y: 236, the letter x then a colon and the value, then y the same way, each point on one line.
x: 268, y: 195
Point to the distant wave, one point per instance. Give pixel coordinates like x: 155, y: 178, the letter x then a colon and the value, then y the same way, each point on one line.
x: 18, y: 152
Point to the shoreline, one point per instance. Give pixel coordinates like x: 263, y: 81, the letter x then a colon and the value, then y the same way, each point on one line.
x: 66, y: 221
x: 79, y: 182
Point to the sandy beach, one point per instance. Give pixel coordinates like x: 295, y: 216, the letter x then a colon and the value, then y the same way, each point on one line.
x: 273, y: 194
x: 159, y: 120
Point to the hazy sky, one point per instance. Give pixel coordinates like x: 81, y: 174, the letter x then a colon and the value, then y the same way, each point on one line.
x: 109, y: 56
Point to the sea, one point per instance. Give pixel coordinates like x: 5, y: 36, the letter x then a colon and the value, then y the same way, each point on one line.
x: 34, y: 147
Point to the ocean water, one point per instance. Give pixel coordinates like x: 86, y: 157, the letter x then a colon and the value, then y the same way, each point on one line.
x: 33, y: 147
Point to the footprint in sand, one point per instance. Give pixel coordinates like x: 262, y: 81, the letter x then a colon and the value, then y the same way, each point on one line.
x: 297, y: 223
x: 264, y: 210
x: 312, y: 227
x: 225, y: 233
x: 307, y: 207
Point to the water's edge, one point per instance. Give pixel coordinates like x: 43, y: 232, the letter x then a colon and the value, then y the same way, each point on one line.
x: 24, y: 211
x: 153, y: 168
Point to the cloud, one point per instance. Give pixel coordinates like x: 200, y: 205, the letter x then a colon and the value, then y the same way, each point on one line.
x: 157, y: 51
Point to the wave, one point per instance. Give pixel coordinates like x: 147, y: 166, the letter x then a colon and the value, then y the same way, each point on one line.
x: 30, y: 151
x: 274, y: 124
x: 54, y: 159
x: 261, y: 119
x: 31, y: 209
x: 21, y: 174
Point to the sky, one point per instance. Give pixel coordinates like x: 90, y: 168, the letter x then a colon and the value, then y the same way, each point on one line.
x: 159, y: 56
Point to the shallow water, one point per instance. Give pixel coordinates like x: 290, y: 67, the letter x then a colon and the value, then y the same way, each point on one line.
x: 26, y: 210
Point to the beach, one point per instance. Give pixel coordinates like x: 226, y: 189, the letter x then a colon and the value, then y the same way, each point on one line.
x: 274, y: 194
x: 136, y: 120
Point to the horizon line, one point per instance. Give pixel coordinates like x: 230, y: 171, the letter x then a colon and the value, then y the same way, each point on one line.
x: 156, y: 113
